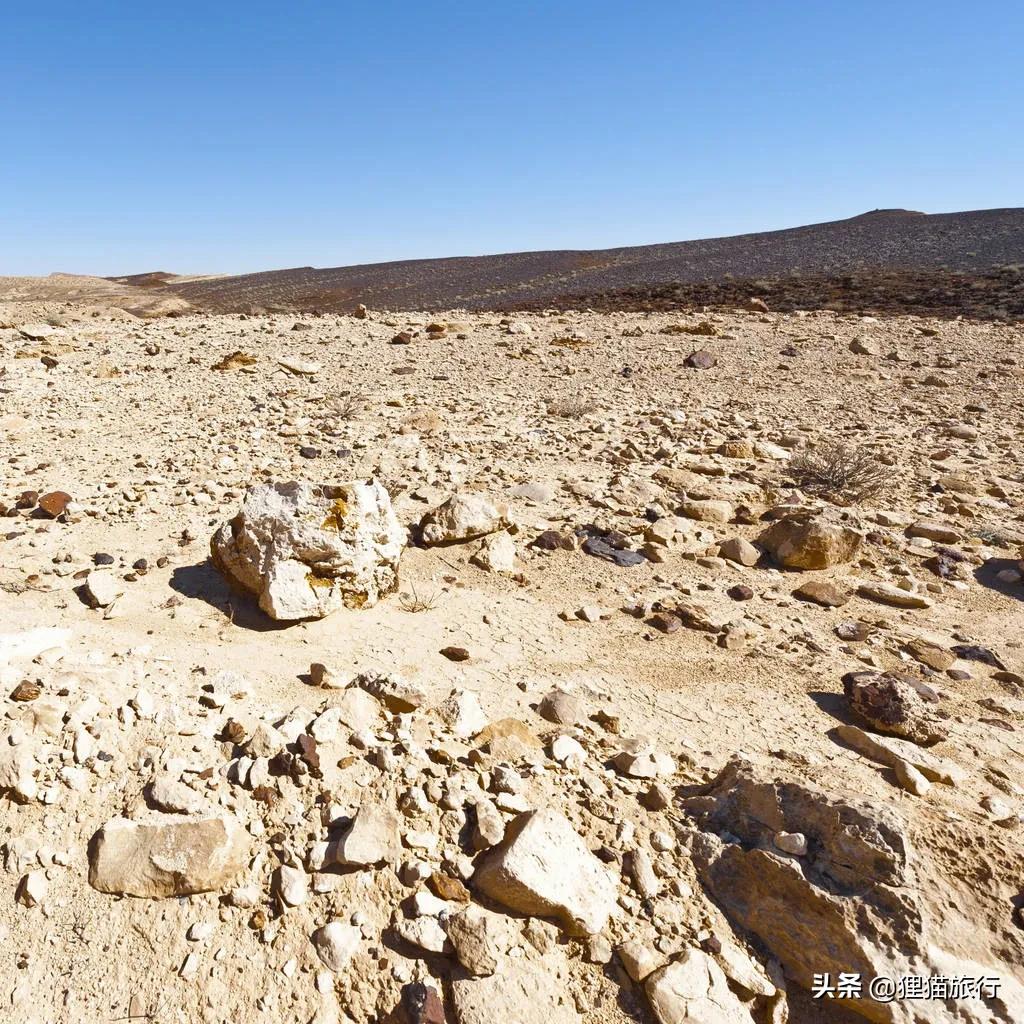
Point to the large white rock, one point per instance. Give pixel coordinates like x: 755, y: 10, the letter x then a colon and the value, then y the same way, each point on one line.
x: 165, y: 855
x: 305, y: 551
x: 336, y: 943
x: 543, y: 867
x: 464, y: 516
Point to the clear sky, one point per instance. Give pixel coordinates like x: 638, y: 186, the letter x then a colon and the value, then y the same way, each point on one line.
x: 228, y: 136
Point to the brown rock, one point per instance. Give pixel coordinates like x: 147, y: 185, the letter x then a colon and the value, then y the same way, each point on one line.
x: 701, y: 359
x: 54, y: 503
x: 892, y: 705
x: 822, y: 592
x: 445, y: 887
x: 811, y: 541
x: 420, y: 1005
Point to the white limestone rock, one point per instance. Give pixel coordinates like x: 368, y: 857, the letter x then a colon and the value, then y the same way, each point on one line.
x: 305, y: 551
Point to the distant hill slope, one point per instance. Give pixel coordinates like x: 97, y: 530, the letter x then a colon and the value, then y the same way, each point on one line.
x: 888, y: 241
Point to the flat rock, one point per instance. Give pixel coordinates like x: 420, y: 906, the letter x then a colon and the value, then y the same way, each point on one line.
x: 889, y: 593
x: 522, y: 991
x: 693, y: 988
x: 166, y: 856
x: 370, y: 839
x: 822, y: 592
x: 543, y: 867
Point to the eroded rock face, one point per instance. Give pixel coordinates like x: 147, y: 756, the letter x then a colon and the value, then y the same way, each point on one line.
x: 811, y: 541
x: 848, y: 905
x: 167, y: 856
x: 543, y: 867
x: 855, y: 902
x: 306, y: 551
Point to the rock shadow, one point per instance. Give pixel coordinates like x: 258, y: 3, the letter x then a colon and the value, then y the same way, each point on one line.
x: 835, y: 705
x: 202, y: 582
x: 988, y: 573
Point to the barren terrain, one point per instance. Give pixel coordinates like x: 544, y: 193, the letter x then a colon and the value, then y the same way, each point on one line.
x: 138, y: 684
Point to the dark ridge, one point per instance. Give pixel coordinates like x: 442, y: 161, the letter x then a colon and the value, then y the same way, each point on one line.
x: 997, y: 295
x: 978, y: 242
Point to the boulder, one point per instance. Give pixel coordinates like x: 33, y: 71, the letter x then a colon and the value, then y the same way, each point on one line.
x: 164, y: 855
x: 305, y: 551
x: 893, y: 705
x: 811, y: 541
x: 543, y: 867
x: 464, y: 516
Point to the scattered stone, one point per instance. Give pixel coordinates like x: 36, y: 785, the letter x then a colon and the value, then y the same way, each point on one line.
x: 335, y: 944
x: 497, y: 553
x: 892, y: 705
x: 889, y: 593
x: 560, y: 707
x: 810, y: 541
x: 371, y: 838
x: 26, y: 691
x: 396, y: 694
x: 54, y: 503
x: 740, y: 551
x: 102, y: 588
x: 701, y: 359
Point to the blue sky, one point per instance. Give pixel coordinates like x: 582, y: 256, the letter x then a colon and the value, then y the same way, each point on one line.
x: 231, y: 136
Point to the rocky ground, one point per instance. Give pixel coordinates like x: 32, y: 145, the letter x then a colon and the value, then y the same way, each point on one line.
x: 582, y: 677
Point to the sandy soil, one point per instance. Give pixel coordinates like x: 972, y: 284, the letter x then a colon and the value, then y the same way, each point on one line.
x: 156, y: 449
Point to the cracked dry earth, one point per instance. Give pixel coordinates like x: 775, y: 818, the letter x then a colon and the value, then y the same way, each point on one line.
x: 613, y: 770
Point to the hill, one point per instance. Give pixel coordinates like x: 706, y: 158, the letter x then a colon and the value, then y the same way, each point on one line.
x: 881, y: 248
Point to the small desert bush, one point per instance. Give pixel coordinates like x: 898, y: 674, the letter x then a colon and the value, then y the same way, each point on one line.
x: 571, y: 408
x: 840, y: 472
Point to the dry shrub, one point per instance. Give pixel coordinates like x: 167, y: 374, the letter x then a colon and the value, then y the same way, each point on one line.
x: 571, y: 408
x: 840, y: 472
x: 414, y: 602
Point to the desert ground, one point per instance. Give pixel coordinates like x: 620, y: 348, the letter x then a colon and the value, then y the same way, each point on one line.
x: 658, y: 721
